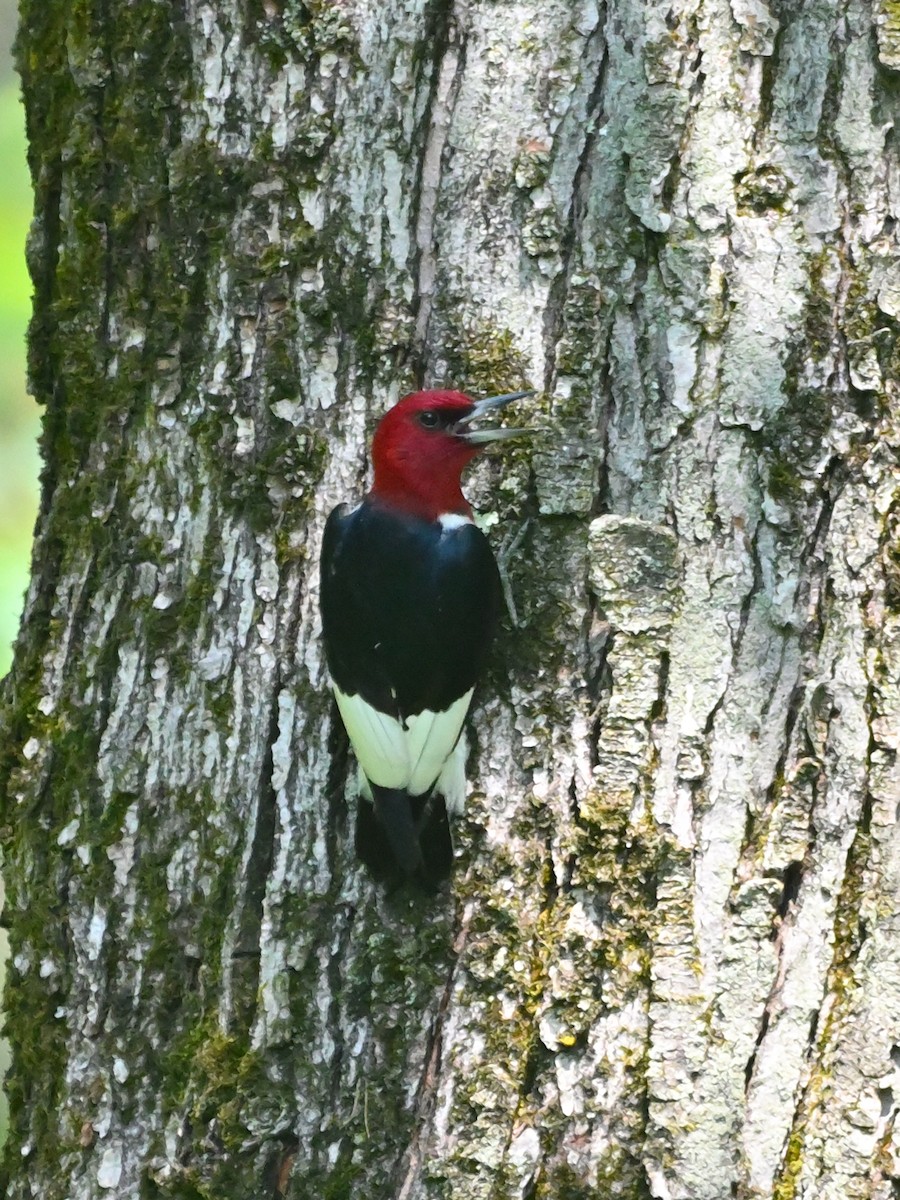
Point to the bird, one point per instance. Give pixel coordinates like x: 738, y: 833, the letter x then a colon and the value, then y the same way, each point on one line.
x: 410, y: 596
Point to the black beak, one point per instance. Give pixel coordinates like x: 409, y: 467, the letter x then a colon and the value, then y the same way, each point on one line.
x: 476, y: 437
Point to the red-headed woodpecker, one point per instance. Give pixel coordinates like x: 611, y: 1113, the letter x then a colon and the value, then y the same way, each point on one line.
x: 410, y: 595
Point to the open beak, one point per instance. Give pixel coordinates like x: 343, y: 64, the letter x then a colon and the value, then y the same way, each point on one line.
x: 476, y: 437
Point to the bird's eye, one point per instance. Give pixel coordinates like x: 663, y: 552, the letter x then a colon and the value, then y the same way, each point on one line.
x: 428, y: 419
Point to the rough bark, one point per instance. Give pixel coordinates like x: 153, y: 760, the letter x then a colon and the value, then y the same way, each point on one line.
x: 669, y: 965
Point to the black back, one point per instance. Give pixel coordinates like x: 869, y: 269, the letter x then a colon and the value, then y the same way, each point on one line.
x: 408, y: 608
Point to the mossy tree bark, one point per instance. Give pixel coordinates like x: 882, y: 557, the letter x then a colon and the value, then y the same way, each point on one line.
x: 669, y: 965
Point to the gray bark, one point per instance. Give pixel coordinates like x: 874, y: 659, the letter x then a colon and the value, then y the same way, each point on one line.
x: 669, y: 964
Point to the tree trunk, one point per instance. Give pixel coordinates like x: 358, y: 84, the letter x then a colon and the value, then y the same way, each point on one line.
x: 669, y: 964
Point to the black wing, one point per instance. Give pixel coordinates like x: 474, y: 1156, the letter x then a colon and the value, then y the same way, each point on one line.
x: 408, y: 608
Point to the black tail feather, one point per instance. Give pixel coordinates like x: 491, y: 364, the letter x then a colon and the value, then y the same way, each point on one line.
x: 371, y: 843
x: 435, y: 842
x: 403, y: 837
x: 393, y: 809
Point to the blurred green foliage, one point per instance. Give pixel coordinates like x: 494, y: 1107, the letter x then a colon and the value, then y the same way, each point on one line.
x: 18, y: 412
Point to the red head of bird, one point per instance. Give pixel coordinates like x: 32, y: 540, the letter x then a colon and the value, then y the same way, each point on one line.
x: 423, y: 444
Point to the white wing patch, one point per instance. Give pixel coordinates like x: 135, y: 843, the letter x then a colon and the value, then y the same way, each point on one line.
x: 410, y: 758
x: 452, y: 782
